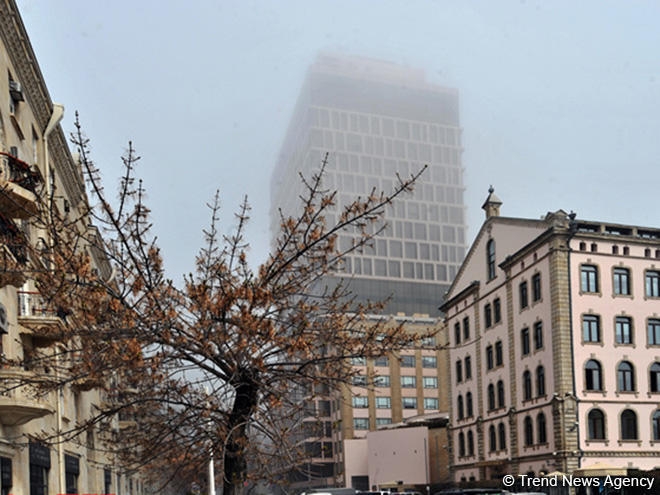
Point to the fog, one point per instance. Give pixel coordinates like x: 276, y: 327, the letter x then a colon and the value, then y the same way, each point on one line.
x: 560, y: 101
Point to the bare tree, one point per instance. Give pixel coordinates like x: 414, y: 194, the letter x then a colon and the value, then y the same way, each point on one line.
x: 220, y: 364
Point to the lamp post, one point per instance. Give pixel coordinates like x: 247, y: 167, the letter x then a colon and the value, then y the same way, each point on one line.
x: 211, y: 468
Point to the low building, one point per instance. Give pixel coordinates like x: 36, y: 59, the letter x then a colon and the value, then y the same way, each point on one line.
x: 385, y: 391
x: 411, y: 455
x: 554, y: 338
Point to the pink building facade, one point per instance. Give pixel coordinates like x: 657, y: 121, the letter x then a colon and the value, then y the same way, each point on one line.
x: 554, y: 347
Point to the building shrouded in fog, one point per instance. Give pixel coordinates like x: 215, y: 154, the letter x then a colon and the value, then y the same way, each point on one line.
x: 377, y: 120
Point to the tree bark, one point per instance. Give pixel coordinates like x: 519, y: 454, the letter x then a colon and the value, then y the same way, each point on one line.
x: 235, y: 466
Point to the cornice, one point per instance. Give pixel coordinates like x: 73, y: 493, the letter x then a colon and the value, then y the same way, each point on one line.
x: 28, y: 73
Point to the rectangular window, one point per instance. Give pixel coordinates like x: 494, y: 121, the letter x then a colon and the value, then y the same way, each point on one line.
x: 408, y: 381
x: 382, y: 361
x: 6, y: 477
x: 407, y: 361
x: 383, y: 421
x: 538, y: 335
x: 466, y: 328
x: 457, y: 333
x: 498, y: 353
x: 623, y: 330
x: 360, y: 423
x: 360, y: 402
x: 591, y: 328
x: 409, y: 402
x: 588, y: 278
x: 383, y: 403
x: 39, y: 467
x: 654, y: 332
x: 489, y: 357
x: 536, y: 287
x: 524, y: 342
x: 459, y: 371
x: 497, y: 310
x: 468, y: 367
x: 429, y: 362
x: 381, y: 381
x: 621, y: 281
x: 431, y: 403
x: 72, y: 470
x: 430, y: 381
x: 488, y: 315
x: 360, y: 381
x: 522, y: 289
x: 652, y: 284
x: 359, y: 361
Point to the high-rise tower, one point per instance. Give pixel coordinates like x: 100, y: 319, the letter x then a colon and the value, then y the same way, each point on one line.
x: 377, y: 120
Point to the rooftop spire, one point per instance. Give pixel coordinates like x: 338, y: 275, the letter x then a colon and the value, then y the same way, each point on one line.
x: 492, y: 204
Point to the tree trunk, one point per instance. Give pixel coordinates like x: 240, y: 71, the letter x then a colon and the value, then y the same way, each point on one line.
x: 235, y: 468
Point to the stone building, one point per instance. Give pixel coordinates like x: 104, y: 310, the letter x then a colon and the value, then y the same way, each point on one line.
x: 35, y: 163
x: 554, y: 347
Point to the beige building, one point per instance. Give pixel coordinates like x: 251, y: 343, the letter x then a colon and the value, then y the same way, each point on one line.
x: 386, y: 391
x: 554, y: 337
x: 35, y: 161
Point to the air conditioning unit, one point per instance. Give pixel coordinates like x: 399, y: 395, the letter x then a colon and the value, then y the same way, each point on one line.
x: 15, y: 91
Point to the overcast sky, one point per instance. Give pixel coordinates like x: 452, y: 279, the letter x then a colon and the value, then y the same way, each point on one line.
x: 560, y: 100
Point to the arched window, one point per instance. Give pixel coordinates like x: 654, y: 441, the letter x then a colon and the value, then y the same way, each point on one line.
x: 628, y: 425
x: 501, y: 431
x: 655, y: 423
x: 470, y: 443
x: 461, y: 411
x: 468, y: 404
x: 654, y: 378
x: 527, y: 385
x: 592, y: 375
x: 625, y: 377
x: 461, y: 444
x: 541, y: 436
x: 596, y: 424
x: 490, y: 258
x: 500, y: 393
x: 492, y: 436
x: 540, y: 381
x: 529, y: 431
x: 491, y: 397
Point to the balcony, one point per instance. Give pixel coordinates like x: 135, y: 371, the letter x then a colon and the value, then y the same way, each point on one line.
x: 85, y: 384
x: 13, y: 254
x: 19, y: 402
x: 18, y: 185
x: 126, y: 421
x: 39, y: 319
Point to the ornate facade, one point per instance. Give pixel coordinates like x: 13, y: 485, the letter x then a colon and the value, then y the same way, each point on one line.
x: 554, y: 348
x: 35, y: 163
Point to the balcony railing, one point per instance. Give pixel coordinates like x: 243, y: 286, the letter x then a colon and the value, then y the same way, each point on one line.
x: 12, y: 272
x: 39, y: 318
x: 17, y: 171
x: 18, y: 187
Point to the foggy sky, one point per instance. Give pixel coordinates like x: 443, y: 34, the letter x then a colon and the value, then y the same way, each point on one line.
x: 560, y: 100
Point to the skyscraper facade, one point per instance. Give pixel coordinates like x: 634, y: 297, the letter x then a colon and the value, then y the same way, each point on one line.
x: 375, y: 120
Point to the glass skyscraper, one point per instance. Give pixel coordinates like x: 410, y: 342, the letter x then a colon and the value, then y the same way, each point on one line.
x: 376, y: 120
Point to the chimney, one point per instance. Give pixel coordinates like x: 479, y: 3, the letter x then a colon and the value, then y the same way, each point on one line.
x: 492, y: 204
